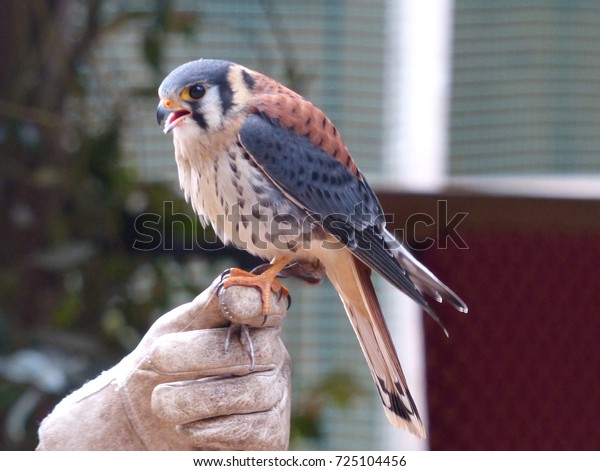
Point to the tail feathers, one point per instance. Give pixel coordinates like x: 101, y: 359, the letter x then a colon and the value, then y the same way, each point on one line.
x: 351, y: 278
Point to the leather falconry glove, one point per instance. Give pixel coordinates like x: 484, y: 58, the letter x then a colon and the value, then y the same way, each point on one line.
x: 182, y: 389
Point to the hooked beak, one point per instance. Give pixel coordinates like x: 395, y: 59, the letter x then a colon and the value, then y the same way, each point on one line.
x: 169, y: 115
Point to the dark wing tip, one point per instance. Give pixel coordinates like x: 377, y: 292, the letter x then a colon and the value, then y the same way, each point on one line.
x: 435, y: 317
x: 452, y: 298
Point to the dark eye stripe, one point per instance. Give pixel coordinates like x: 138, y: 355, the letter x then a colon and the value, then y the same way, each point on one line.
x: 199, y: 118
x: 226, y: 95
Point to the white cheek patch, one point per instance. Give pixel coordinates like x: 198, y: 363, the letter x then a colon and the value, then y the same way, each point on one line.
x: 212, y: 108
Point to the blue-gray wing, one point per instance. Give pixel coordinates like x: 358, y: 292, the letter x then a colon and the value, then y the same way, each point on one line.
x: 342, y: 203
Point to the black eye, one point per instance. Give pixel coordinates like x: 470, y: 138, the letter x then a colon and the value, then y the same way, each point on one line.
x: 197, y: 91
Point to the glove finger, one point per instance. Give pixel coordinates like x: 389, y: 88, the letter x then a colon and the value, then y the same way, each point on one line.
x: 189, y: 401
x: 216, y: 307
x: 204, y: 312
x: 243, y: 305
x: 202, y: 353
x: 261, y: 431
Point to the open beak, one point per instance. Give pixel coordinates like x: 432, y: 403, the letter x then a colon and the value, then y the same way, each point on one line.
x: 170, y: 117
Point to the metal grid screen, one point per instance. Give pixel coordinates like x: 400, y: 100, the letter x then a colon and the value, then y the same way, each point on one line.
x: 526, y: 88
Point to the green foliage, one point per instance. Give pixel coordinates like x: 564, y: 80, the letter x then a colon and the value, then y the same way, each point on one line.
x: 166, y: 21
x: 337, y: 389
x: 68, y: 273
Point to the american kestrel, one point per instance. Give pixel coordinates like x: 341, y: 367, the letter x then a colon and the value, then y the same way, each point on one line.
x: 270, y: 172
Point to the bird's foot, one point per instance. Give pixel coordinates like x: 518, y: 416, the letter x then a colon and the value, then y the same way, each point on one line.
x: 264, y: 279
x: 266, y: 282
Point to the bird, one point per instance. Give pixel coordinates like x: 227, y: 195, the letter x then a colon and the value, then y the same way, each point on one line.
x: 270, y: 172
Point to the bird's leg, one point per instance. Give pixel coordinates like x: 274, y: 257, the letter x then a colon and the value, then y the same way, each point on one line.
x: 266, y: 282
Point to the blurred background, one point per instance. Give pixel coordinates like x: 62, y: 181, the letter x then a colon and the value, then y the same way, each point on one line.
x: 476, y: 122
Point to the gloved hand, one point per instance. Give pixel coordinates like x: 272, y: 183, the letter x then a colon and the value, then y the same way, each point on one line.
x: 180, y: 390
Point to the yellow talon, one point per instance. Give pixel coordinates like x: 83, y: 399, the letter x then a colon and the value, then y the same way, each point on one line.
x: 266, y: 282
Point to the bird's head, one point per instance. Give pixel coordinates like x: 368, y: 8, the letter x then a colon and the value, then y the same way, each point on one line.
x: 202, y: 94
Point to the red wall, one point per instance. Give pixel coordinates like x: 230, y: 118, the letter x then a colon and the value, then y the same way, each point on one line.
x: 521, y: 370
